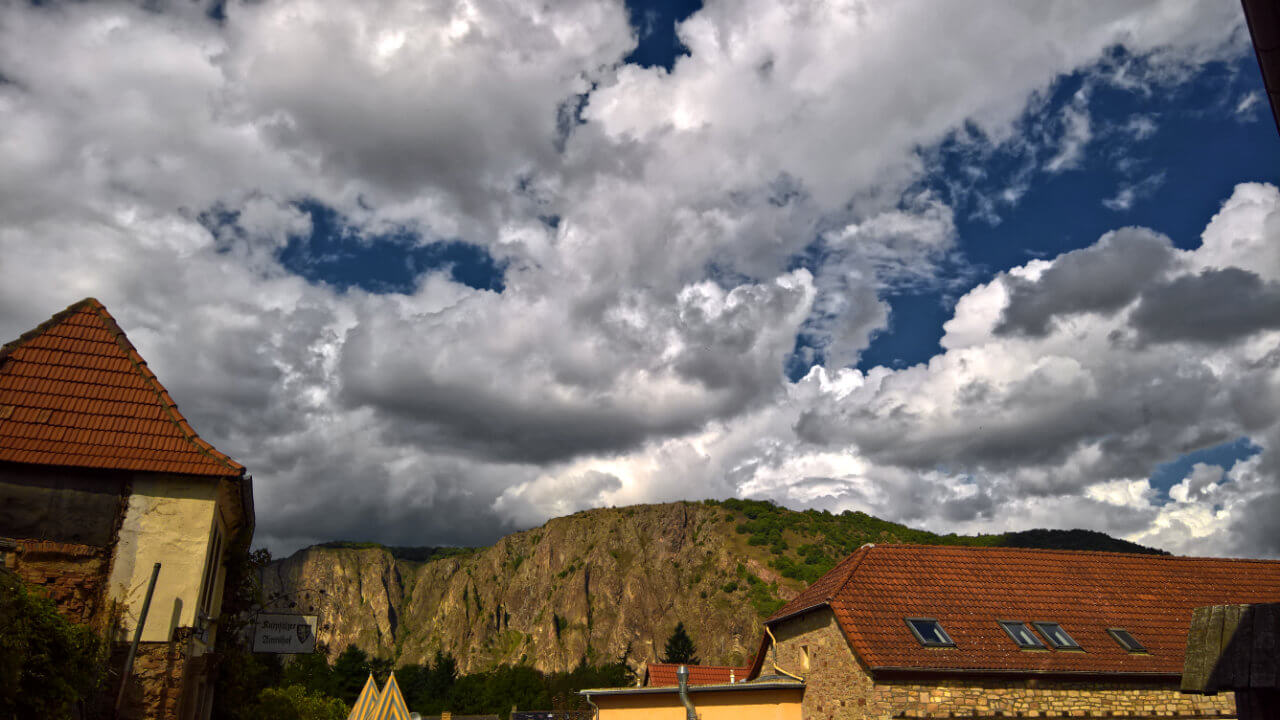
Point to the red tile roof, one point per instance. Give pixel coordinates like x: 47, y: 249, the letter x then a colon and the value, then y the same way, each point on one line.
x: 75, y: 392
x: 968, y: 589
x: 664, y: 674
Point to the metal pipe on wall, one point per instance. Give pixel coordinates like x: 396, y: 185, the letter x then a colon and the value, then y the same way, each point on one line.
x: 137, y: 637
x: 682, y: 676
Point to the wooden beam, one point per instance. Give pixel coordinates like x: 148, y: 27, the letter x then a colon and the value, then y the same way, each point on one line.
x: 1201, y: 651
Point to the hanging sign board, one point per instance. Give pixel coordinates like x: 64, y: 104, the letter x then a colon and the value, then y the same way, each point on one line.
x: 286, y: 634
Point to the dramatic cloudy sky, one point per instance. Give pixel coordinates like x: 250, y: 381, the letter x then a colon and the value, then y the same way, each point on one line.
x: 437, y: 270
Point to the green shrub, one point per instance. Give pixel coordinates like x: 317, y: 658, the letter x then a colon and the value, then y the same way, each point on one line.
x: 295, y: 702
x: 50, y: 667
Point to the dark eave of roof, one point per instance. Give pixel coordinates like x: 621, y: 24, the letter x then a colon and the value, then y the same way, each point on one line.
x: 1263, y: 17
x: 752, y: 685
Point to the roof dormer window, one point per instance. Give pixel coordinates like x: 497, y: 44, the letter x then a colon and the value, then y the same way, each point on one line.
x: 1022, y: 635
x: 1126, y: 640
x: 929, y: 632
x: 1057, y: 637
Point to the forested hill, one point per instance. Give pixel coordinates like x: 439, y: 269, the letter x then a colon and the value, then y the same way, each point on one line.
x: 600, y: 584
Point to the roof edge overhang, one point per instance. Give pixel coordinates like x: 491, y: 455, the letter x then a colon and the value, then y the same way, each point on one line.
x: 797, y: 613
x: 902, y: 671
x: 672, y: 689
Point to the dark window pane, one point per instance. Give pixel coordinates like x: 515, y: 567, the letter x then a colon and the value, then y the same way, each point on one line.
x: 1127, y: 640
x: 929, y: 632
x: 1021, y: 635
x: 1056, y: 636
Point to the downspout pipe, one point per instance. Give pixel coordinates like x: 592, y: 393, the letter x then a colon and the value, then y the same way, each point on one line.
x: 774, y: 642
x: 595, y: 709
x: 682, y: 676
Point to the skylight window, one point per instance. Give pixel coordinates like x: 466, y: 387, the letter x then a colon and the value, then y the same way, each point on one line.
x: 929, y: 632
x: 1022, y: 635
x: 1126, y: 640
x: 1056, y: 636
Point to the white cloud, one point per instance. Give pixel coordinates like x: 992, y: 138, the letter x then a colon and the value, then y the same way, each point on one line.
x: 637, y: 350
x: 1246, y: 107
x: 1076, y: 133
x: 1129, y: 193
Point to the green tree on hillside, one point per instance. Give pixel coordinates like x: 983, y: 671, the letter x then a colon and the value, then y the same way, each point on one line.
x: 680, y: 647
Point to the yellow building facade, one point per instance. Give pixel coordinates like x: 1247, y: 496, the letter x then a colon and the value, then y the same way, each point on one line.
x: 779, y: 699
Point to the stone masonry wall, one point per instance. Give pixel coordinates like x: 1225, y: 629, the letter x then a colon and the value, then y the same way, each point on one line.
x: 161, y: 670
x: 73, y: 576
x: 839, y: 688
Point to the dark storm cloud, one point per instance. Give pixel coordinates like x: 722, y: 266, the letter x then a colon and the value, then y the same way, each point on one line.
x: 1041, y: 420
x: 1256, y: 533
x: 1215, y: 307
x: 1101, y: 278
x: 449, y: 418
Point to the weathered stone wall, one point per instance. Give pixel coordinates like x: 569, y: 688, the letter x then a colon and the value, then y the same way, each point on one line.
x: 161, y: 673
x: 839, y: 688
x: 73, y: 576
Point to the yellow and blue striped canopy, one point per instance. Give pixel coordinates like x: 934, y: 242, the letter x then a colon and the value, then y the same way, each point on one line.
x: 367, y: 703
x: 391, y: 705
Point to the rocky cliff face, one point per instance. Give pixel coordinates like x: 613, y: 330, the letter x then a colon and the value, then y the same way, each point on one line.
x: 598, y: 584
x: 601, y: 584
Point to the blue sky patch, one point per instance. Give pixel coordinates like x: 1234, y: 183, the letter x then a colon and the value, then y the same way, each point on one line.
x: 1224, y: 456
x: 390, y: 263
x: 655, y: 26
x: 1180, y: 151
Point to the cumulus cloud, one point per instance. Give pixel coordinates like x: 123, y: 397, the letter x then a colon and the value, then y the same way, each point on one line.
x: 157, y: 158
x: 1215, y: 306
x: 1100, y: 278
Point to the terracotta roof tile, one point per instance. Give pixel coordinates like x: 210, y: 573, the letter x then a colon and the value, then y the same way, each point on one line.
x: 74, y: 391
x: 968, y: 589
x: 664, y: 674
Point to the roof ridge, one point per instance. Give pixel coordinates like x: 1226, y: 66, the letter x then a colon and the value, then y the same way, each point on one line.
x: 1050, y: 551
x: 862, y: 553
x: 55, y: 319
x: 68, y: 326
x: 162, y: 393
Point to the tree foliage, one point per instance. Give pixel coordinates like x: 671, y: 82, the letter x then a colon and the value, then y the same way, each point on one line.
x: 680, y: 647
x: 295, y: 702
x: 50, y: 667
x: 805, y: 545
x: 434, y: 687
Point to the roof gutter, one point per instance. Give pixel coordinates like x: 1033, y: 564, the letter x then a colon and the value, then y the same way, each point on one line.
x: 750, y: 685
x: 797, y: 613
x: 246, y: 503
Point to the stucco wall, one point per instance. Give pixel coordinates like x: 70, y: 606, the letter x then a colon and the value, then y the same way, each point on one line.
x: 719, y: 705
x: 169, y: 520
x: 839, y: 687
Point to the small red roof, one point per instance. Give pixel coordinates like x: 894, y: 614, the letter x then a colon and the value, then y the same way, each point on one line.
x: 967, y: 590
x: 664, y: 674
x: 75, y: 392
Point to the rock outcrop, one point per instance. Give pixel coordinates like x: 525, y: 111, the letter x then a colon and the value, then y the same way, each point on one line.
x: 600, y: 584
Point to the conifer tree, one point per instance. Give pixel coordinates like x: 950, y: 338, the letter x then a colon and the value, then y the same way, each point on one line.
x: 680, y: 648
